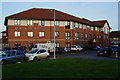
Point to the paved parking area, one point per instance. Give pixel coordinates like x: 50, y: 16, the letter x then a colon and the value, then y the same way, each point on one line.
x: 84, y: 54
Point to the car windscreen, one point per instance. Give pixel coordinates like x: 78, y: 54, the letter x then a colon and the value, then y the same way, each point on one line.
x: 102, y: 49
x: 7, y: 48
x: 33, y: 51
x: 114, y: 47
x: 35, y: 46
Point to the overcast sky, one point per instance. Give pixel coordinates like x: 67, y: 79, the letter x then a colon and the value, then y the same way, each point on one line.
x: 89, y: 10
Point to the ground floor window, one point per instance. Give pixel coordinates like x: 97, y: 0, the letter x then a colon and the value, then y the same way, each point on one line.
x: 67, y: 44
x: 17, y: 44
x: 76, y: 43
x: 30, y: 45
x: 57, y: 44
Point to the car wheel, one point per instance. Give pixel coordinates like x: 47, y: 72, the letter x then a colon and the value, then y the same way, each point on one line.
x: 47, y: 57
x: 35, y: 59
x: 4, y: 62
x: 98, y: 54
x: 23, y: 60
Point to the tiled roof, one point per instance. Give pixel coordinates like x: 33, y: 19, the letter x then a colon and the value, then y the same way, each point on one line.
x: 48, y: 14
x: 115, y: 34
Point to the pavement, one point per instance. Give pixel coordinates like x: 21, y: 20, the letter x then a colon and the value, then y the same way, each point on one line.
x: 84, y: 54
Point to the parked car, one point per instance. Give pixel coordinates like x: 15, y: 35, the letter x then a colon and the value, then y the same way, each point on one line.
x: 57, y: 50
x: 64, y: 49
x: 12, y: 57
x: 23, y: 48
x: 105, y: 51
x: 95, y: 48
x: 37, y: 54
x: 76, y: 48
x: 115, y: 48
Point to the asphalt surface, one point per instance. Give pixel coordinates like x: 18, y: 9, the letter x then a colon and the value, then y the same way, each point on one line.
x: 84, y: 54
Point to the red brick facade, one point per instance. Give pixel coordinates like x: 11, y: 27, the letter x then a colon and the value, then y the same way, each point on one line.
x: 23, y: 39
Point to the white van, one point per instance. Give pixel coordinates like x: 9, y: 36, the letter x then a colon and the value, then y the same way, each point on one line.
x: 46, y: 46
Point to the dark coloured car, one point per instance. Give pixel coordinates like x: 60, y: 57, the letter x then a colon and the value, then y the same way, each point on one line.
x: 114, y: 48
x: 23, y: 48
x: 64, y: 49
x: 95, y: 48
x: 12, y: 57
x: 57, y: 49
x: 105, y: 51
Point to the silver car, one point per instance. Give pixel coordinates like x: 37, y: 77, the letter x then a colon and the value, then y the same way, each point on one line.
x: 12, y: 57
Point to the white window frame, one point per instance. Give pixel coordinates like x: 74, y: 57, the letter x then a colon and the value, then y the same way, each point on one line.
x: 41, y: 34
x: 76, y: 35
x: 57, y: 44
x: 67, y: 23
x: 57, y: 34
x: 41, y: 22
x: 17, y: 33
x: 30, y: 22
x: 30, y: 34
x: 17, y: 22
x: 57, y: 23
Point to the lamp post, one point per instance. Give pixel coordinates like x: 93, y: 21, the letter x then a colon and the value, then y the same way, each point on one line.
x: 54, y: 33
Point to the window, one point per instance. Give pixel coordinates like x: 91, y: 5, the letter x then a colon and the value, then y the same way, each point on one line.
x: 86, y: 35
x: 30, y: 34
x: 56, y: 23
x: 67, y: 35
x: 90, y: 36
x: 56, y: 34
x: 67, y: 44
x: 82, y: 35
x: 76, y: 36
x: 82, y: 43
x: 17, y: 44
x: 76, y: 43
x: 41, y: 23
x: 57, y: 44
x: 73, y: 25
x: 17, y: 34
x: 17, y: 22
x: 67, y: 25
x: 104, y: 37
x: 30, y: 45
x: 41, y: 34
x: 82, y: 26
x: 89, y: 28
x: 99, y: 36
x: 86, y: 44
x: 30, y: 22
x: 78, y: 25
x: 85, y: 26
x: 94, y: 36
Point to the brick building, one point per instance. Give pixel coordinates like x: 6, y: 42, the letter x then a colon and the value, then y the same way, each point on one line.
x: 115, y: 38
x: 37, y: 25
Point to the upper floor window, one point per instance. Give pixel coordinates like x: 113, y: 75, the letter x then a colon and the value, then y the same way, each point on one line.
x: 30, y: 22
x: 30, y: 34
x: 67, y: 35
x: 17, y: 22
x: 56, y: 34
x: 81, y: 35
x: 17, y: 34
x: 78, y: 25
x: 99, y: 36
x: 90, y: 36
x: 89, y: 28
x: 76, y: 36
x: 67, y: 25
x: 94, y: 36
x: 86, y: 35
x: 41, y: 23
x: 82, y: 26
x: 56, y: 23
x: 41, y: 34
x: 85, y: 26
x: 73, y: 25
